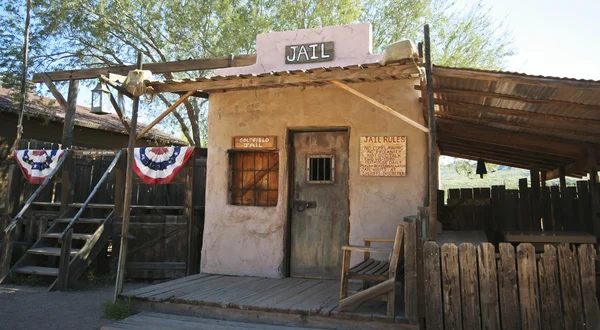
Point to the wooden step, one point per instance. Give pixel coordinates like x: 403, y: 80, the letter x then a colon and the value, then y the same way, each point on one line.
x: 82, y: 220
x: 49, y: 271
x: 84, y: 237
x: 50, y: 251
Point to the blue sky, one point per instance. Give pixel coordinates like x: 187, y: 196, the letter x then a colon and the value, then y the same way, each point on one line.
x: 552, y: 37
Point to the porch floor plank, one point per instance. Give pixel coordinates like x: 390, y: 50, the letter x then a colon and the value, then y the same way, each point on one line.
x: 151, y: 321
x: 284, y: 295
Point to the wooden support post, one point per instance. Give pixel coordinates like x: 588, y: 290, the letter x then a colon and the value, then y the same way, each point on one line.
x: 543, y: 178
x: 191, y: 266
x: 119, y: 112
x: 433, y: 159
x: 119, y: 187
x: 563, y: 178
x: 6, y: 253
x: 535, y: 198
x: 65, y: 259
x: 595, y: 191
x: 55, y: 92
x: 128, y: 192
x: 67, y: 142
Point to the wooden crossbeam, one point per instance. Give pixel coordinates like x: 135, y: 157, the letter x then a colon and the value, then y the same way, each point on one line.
x: 487, y: 154
x: 170, y: 109
x: 513, y: 78
x: 518, y: 113
x: 156, y: 68
x: 305, y: 77
x: 380, y: 106
x: 466, y: 92
x: 115, y: 86
x: 55, y: 92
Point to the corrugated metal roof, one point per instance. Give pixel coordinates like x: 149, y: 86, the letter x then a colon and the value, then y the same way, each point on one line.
x: 544, y: 109
x: 367, y: 72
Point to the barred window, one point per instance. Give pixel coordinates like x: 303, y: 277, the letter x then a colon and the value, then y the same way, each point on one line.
x: 320, y: 169
x: 254, y: 178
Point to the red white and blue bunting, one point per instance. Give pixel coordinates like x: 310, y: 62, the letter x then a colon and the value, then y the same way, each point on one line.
x: 159, y: 165
x: 36, y: 165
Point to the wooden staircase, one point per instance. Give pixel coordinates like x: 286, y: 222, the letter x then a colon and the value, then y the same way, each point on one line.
x: 88, y: 238
x: 66, y: 248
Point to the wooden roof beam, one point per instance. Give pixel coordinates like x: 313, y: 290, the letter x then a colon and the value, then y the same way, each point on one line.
x: 466, y: 92
x: 504, y: 162
x: 576, y: 167
x: 487, y: 155
x: 496, y: 136
x: 170, y: 109
x: 546, y: 131
x: 514, y: 78
x: 156, y: 68
x: 305, y: 77
x: 518, y: 113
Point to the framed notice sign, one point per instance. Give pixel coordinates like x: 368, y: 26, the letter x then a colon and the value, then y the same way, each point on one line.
x: 255, y: 142
x: 383, y: 156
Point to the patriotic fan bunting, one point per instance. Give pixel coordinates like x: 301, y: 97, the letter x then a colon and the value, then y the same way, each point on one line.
x: 36, y: 165
x: 159, y: 165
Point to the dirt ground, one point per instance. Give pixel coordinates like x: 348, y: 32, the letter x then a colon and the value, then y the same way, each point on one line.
x: 33, y: 307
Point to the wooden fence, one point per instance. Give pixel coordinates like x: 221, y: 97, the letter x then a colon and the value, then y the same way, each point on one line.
x: 498, y: 209
x: 470, y: 287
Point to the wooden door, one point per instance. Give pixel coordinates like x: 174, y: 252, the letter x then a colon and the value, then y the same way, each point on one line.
x: 319, y: 203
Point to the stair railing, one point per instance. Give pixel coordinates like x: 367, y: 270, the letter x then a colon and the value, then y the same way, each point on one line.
x: 65, y: 237
x: 9, y: 232
x: 91, y: 196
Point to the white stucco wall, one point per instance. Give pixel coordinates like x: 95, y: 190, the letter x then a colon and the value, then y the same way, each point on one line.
x: 246, y: 240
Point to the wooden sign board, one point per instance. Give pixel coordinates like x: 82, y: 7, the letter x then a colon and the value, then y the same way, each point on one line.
x: 382, y: 156
x: 255, y: 142
x: 308, y: 53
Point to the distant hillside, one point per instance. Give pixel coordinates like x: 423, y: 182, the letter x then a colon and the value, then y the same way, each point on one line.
x: 503, y: 175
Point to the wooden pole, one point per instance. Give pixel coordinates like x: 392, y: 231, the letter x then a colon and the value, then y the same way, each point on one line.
x: 67, y: 143
x: 535, y: 197
x: 173, y: 106
x: 191, y: 266
x: 12, y: 197
x: 128, y: 192
x: 595, y: 191
x: 433, y: 159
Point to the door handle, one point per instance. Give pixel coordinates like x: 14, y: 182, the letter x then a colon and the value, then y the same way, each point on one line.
x: 300, y: 205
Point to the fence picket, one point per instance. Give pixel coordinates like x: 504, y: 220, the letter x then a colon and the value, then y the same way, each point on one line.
x: 467, y: 256
x: 528, y: 287
x: 571, y: 289
x: 587, y: 256
x: 510, y: 311
x: 550, y: 290
x: 488, y: 284
x: 433, y: 290
x: 410, y: 272
x: 451, y: 287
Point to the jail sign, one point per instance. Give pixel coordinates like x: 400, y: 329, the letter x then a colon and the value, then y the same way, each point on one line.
x: 307, y: 53
x: 255, y: 142
x: 383, y: 156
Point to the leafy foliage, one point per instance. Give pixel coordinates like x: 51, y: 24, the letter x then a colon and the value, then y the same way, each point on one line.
x: 94, y: 33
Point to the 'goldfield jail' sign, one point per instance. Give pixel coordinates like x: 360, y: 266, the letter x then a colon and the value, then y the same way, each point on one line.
x: 383, y: 156
x: 255, y: 142
x: 306, y: 53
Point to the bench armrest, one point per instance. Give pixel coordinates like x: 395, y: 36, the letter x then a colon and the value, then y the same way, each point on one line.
x: 365, y: 249
x: 378, y: 240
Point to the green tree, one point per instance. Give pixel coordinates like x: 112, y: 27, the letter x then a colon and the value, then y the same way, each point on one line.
x: 92, y: 33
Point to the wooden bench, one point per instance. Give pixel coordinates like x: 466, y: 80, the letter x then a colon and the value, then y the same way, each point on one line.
x: 370, y: 270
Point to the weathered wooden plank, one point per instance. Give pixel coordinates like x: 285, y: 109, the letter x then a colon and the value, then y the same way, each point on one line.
x: 528, y: 287
x: 587, y: 256
x: 370, y: 293
x: 524, y: 205
x: 550, y: 290
x: 571, y: 287
x: 433, y: 289
x: 510, y: 311
x: 163, y: 287
x: 451, y: 288
x: 488, y: 286
x: 467, y: 256
x: 410, y: 271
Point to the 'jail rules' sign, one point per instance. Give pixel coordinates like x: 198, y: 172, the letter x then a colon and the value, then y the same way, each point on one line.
x: 383, y: 156
x: 306, y: 53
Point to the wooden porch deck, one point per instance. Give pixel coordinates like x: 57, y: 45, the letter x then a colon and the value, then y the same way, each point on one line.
x: 289, y: 298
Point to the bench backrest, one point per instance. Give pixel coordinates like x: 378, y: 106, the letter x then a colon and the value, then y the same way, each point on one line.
x: 395, y: 256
